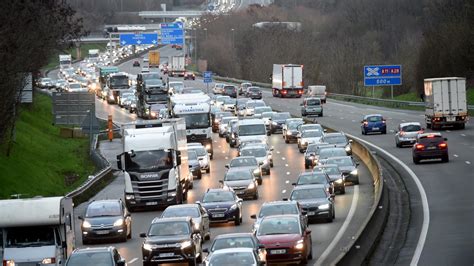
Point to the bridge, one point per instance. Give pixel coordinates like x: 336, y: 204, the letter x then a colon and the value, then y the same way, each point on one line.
x: 170, y: 14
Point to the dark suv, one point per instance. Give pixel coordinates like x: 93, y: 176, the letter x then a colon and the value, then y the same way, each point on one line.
x: 430, y: 146
x: 172, y: 240
x: 230, y: 90
x: 107, y: 256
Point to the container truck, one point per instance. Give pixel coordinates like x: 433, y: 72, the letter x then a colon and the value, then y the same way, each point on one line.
x: 196, y: 110
x: 36, y: 231
x: 287, y: 80
x: 152, y: 95
x: 154, y: 59
x: 154, y: 163
x: 65, y: 61
x: 117, y: 83
x: 177, y: 66
x: 445, y: 102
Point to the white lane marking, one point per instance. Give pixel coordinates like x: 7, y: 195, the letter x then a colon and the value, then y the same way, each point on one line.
x: 463, y: 135
x: 341, y: 118
x: 278, y: 152
x: 455, y: 155
x: 215, y: 141
x: 343, y: 228
x: 219, y: 146
x: 283, y: 158
x: 468, y: 162
x: 287, y: 173
x: 132, y: 260
x: 353, y: 120
x: 392, y: 131
x: 286, y: 164
x: 226, y: 158
x: 287, y: 181
x: 403, y: 120
x: 283, y: 191
x: 223, y: 151
x: 448, y: 130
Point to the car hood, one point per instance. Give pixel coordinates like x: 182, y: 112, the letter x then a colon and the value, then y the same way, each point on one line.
x: 223, y: 204
x: 29, y: 254
x: 280, y: 240
x: 238, y: 183
x: 311, y: 140
x: 166, y: 239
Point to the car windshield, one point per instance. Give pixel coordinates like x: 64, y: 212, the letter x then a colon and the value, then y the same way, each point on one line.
x: 374, y: 118
x: 150, y: 76
x: 340, y: 161
x: 312, y: 134
x: 194, y: 121
x: 230, y: 101
x: 257, y: 152
x: 252, y: 130
x: 91, y: 258
x: 192, y: 155
x: 75, y: 85
x: 243, y: 162
x: 29, y: 236
x: 230, y: 258
x: 411, y: 128
x: 280, y: 225
x: 238, y: 175
x: 272, y: 209
x: 233, y: 242
x: 176, y: 86
x: 100, y: 209
x: 201, y: 151
x: 221, y: 99
x: 119, y: 81
x: 229, y: 88
x: 335, y: 139
x: 145, y: 161
x: 153, y: 82
x: 313, y: 102
x: 169, y: 228
x: 152, y: 98
x: 312, y: 178
x: 262, y: 110
x: 308, y: 193
x: 181, y: 212
x: 218, y: 196
x: 331, y: 152
x: 294, y: 125
x: 332, y: 170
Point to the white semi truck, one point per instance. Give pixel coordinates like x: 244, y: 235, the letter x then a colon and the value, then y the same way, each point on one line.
x: 65, y: 61
x: 154, y: 163
x: 93, y: 56
x: 177, y: 66
x: 445, y: 101
x: 196, y: 110
x: 36, y: 231
x: 287, y: 80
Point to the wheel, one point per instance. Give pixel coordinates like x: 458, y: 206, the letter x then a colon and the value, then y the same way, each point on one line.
x: 199, y: 175
x: 287, y: 141
x: 321, y: 115
x: 255, y: 197
x: 237, y: 220
x: 306, y: 166
x: 199, y: 259
x: 208, y: 236
x: 363, y: 132
x: 259, y: 181
x: 85, y: 242
x: 124, y: 237
x: 343, y: 191
x: 129, y: 236
x: 398, y: 144
x: 192, y: 262
x: 301, y: 150
x: 384, y: 132
x: 356, y: 182
x: 445, y: 158
x: 416, y: 160
x: 268, y: 172
x: 462, y: 126
x: 303, y: 114
x: 212, y: 156
x: 310, y: 256
x: 208, y: 170
x: 191, y: 185
x: 271, y: 164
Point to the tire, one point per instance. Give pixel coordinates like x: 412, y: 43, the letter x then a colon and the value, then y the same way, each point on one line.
x: 384, y: 132
x: 124, y: 238
x: 199, y: 175
x: 397, y: 144
x: 237, y: 220
x: 86, y: 242
x: 259, y: 181
x: 208, y: 170
x: 356, y: 182
x: 416, y: 160
x: 271, y: 164
x: 191, y: 186
x: 445, y: 158
x: 129, y: 236
x: 363, y: 132
x: 255, y: 197
x: 287, y: 141
x: 462, y: 126
x: 301, y: 150
x: 321, y: 115
x: 212, y: 156
x: 310, y: 256
x: 269, y: 171
x: 343, y: 191
x: 428, y: 125
x: 192, y: 262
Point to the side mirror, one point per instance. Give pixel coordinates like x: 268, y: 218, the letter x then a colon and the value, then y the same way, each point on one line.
x: 205, y: 250
x: 350, y: 141
x: 253, y: 216
x: 325, y: 130
x: 308, y: 231
x: 221, y: 182
x: 121, y: 262
x: 227, y: 166
x: 143, y: 235
x: 240, y: 200
x: 178, y: 157
x: 119, y: 162
x: 285, y: 199
x: 64, y: 244
x: 293, y: 184
x: 80, y: 217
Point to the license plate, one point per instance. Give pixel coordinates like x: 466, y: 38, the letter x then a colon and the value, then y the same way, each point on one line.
x: 166, y: 254
x: 102, y: 232
x: 431, y: 148
x: 151, y: 203
x: 278, y: 251
x: 311, y: 213
x: 450, y: 118
x: 375, y: 128
x: 218, y: 215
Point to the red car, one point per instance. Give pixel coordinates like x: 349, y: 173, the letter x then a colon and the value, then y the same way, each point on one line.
x: 286, y: 238
x: 430, y: 146
x: 189, y: 75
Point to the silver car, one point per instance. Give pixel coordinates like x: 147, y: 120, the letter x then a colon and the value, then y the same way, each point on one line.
x: 203, y: 156
x: 406, y: 133
x: 261, y: 154
x: 309, y: 137
x: 196, y: 212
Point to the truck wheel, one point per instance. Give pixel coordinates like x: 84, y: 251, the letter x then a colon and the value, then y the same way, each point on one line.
x: 208, y: 170
x: 462, y: 126
x: 428, y: 125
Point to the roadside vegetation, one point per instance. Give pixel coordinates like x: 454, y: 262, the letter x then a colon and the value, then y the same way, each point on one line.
x: 41, y: 162
x: 54, y: 61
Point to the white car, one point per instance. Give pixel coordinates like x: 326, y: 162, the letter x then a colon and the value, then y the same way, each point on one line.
x: 203, y: 156
x: 224, y: 124
x: 309, y: 137
x: 250, y: 106
x: 218, y: 88
x: 145, y: 69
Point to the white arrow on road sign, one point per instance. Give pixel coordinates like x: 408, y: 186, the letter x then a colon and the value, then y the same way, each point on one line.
x: 139, y: 41
x: 372, y: 71
x: 154, y: 42
x: 124, y: 42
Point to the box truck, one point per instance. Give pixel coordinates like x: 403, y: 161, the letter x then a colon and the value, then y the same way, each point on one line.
x: 65, y: 61
x: 287, y: 80
x: 154, y: 59
x: 445, y: 102
x: 177, y: 66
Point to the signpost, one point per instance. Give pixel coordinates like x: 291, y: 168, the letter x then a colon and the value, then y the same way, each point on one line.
x: 172, y: 33
x: 207, y: 78
x: 382, y: 75
x: 138, y: 38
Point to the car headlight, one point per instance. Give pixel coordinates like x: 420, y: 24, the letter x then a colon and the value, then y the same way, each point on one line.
x: 256, y: 171
x: 270, y: 156
x: 354, y: 172
x: 324, y: 206
x: 265, y: 161
x: 119, y: 222
x: 311, y: 158
x: 148, y: 247
x: 9, y: 263
x: 86, y: 224
x: 133, y: 105
x: 251, y: 185
x: 274, y: 123
x: 339, y: 181
x: 129, y: 196
x: 111, y: 96
x: 186, y: 244
x: 48, y: 261
x: 288, y: 132
x: 233, y: 207
x: 208, y: 147
x: 348, y: 148
x: 196, y: 226
x: 153, y: 114
x: 299, y: 244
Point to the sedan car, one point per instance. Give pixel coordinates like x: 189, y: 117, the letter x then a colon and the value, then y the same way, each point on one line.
x: 286, y: 238
x: 104, y: 220
x: 373, y: 123
x: 45, y: 83
x: 311, y: 106
x: 247, y: 163
x: 250, y: 106
x: 315, y: 177
x: 253, y: 93
x: 315, y: 200
x: 222, y: 205
x: 217, y: 120
x: 328, y: 152
x: 242, y: 181
x: 430, y: 146
x: 406, y: 133
x: 195, y: 211
x: 308, y: 137
x: 261, y: 154
x: 234, y: 256
x: 230, y: 90
x: 277, y: 122
x: 189, y: 75
x: 311, y: 155
x: 237, y: 240
x: 229, y: 105
x: 348, y: 167
x: 290, y: 129
x: 339, y: 139
x: 104, y: 256
x: 243, y: 87
x: 260, y: 110
x: 172, y: 240
x: 336, y: 176
x: 218, y: 88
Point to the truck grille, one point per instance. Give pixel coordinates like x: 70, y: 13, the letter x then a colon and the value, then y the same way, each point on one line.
x: 150, y: 189
x: 196, y: 137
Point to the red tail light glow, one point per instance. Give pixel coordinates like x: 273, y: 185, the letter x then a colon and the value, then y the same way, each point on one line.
x: 366, y: 123
x: 402, y: 133
x: 283, y: 92
x: 443, y: 145
x: 419, y: 146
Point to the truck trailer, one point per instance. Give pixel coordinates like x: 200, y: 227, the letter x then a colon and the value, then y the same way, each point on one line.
x: 177, y: 66
x: 65, y: 61
x: 287, y: 80
x: 154, y: 163
x: 154, y: 59
x: 445, y: 102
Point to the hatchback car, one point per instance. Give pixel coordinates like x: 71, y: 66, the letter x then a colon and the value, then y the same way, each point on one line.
x: 243, y: 87
x: 230, y: 90
x: 189, y: 75
x: 430, y: 146
x: 373, y: 123
x: 311, y: 106
x: 315, y: 200
x: 335, y: 175
x: 222, y: 205
x: 229, y: 105
x: 250, y: 106
x: 406, y: 133
x: 254, y: 93
x: 104, y: 256
x: 290, y: 129
x: 262, y: 156
x: 136, y: 63
x: 328, y: 152
x: 195, y: 211
x: 105, y: 220
x: 309, y: 137
x: 277, y: 122
x: 194, y: 165
x: 247, y: 163
x: 234, y: 256
x: 237, y: 240
x: 224, y: 124
x: 218, y: 88
x: 279, y: 207
x: 286, y: 238
x: 260, y: 110
x: 348, y: 167
x: 338, y: 139
x: 242, y: 181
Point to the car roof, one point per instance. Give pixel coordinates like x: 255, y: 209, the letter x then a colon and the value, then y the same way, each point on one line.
x: 171, y: 219
x: 252, y: 121
x: 279, y: 216
x: 233, y: 235
x: 93, y: 249
x: 334, y: 134
x: 224, y: 189
x: 410, y: 123
x: 301, y: 187
x: 312, y: 130
x: 181, y: 206
x: 238, y: 169
x: 370, y: 115
x: 280, y: 202
x: 232, y: 250
x: 340, y: 157
x: 325, y: 166
x: 243, y: 157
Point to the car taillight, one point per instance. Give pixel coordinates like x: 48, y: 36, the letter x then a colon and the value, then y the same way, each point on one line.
x: 402, y: 133
x: 300, y: 92
x: 443, y: 145
x: 366, y: 123
x: 419, y: 146
x: 383, y: 121
x: 283, y: 92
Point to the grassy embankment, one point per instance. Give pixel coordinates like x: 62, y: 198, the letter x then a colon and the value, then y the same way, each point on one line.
x: 41, y: 161
x: 54, y: 60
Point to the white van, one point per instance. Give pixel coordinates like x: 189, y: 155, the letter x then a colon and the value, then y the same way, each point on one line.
x: 318, y: 91
x: 251, y: 129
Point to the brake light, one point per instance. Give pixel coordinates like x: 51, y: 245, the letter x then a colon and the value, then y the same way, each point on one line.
x: 383, y: 121
x: 419, y: 146
x: 366, y: 123
x: 300, y: 92
x: 443, y: 145
x: 402, y: 133
x: 431, y: 136
x: 283, y: 92
x: 325, y: 93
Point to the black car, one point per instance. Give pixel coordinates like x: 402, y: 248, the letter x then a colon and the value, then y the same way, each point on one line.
x: 194, y: 166
x: 222, y: 205
x: 315, y: 177
x: 237, y: 240
x: 277, y: 121
x: 348, y: 167
x: 315, y: 200
x: 430, y: 146
x: 254, y: 93
x: 136, y: 63
x: 172, y: 240
x: 336, y: 176
x: 216, y: 120
x: 230, y: 90
x: 104, y: 256
x: 291, y: 132
x: 105, y: 220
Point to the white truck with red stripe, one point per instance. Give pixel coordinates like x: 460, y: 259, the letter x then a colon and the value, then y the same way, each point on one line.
x: 287, y: 80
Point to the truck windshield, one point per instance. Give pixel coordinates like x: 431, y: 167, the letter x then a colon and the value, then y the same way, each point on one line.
x: 144, y: 161
x: 153, y: 98
x: 29, y: 236
x: 119, y: 81
x: 251, y: 130
x: 196, y: 120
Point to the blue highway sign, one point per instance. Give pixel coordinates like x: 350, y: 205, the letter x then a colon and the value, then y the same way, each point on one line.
x: 384, y: 75
x: 207, y: 76
x: 172, y: 33
x: 138, y: 38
